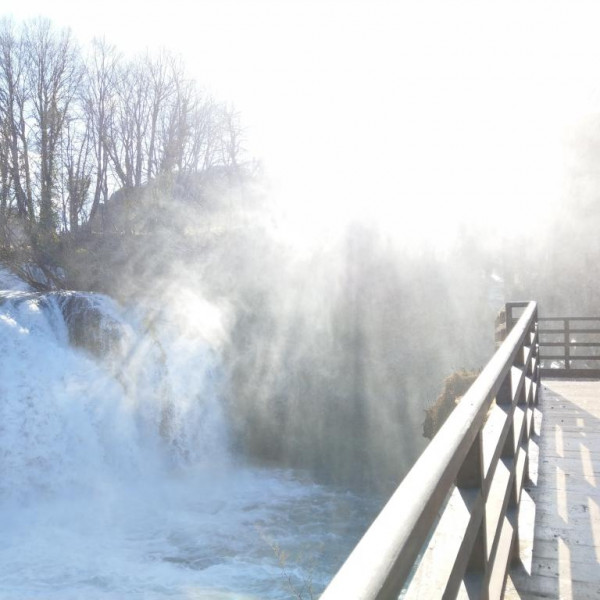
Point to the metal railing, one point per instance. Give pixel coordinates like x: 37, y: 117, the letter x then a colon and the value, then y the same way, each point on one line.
x: 570, y: 347
x: 450, y: 529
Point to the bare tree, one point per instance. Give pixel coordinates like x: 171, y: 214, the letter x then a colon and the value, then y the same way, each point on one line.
x: 14, y: 99
x: 99, y: 104
x: 78, y: 167
x: 54, y: 75
x: 231, y: 138
x: 128, y: 128
x: 203, y: 151
x: 162, y: 73
x: 176, y: 125
x: 5, y: 184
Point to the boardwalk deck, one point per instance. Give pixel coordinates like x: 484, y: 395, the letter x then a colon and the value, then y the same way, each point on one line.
x: 561, y: 558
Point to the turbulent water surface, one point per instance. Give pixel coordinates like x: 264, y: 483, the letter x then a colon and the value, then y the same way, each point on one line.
x: 117, y: 478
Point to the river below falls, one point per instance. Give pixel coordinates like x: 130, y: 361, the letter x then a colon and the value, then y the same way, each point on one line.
x: 237, y: 533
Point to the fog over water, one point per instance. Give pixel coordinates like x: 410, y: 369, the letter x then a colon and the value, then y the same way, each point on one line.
x: 241, y: 380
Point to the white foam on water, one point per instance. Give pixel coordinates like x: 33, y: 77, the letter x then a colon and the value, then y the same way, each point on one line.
x: 117, y: 480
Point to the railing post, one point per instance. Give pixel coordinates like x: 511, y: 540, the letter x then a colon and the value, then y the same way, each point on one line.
x: 509, y: 317
x: 511, y: 321
x: 504, y: 400
x: 536, y: 347
x: 567, y: 340
x: 470, y: 474
x: 500, y: 327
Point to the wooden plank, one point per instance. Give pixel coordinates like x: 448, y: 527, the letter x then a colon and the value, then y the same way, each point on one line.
x: 546, y: 373
x: 544, y: 330
x: 570, y: 412
x: 570, y: 463
x: 580, y: 572
x: 576, y: 529
x: 553, y: 487
x: 571, y: 343
x: 548, y: 548
x: 575, y: 445
x: 551, y: 526
x: 574, y: 428
x: 569, y: 356
x: 546, y: 319
x: 552, y: 587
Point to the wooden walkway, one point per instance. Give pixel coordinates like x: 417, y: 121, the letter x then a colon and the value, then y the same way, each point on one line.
x: 560, y: 558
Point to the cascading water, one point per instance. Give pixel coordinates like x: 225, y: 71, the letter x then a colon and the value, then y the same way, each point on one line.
x: 116, y: 474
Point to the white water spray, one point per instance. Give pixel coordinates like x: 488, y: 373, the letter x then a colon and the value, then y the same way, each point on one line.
x: 117, y: 475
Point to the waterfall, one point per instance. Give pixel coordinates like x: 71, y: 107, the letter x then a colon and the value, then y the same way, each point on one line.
x: 91, y: 396
x: 117, y: 473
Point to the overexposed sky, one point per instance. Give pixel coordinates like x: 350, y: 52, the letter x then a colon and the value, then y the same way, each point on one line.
x: 405, y: 112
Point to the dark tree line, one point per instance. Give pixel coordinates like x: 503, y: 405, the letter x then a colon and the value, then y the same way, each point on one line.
x: 77, y: 124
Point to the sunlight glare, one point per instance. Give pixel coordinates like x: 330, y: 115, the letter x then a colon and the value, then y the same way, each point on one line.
x: 417, y: 116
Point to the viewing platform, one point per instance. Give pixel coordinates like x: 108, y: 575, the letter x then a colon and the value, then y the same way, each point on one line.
x: 560, y: 558
x: 504, y: 502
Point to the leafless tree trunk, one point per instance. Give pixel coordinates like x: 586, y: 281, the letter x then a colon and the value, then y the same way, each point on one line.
x: 5, y: 185
x: 176, y: 127
x: 162, y: 73
x: 232, y: 138
x: 14, y: 96
x: 99, y: 105
x: 54, y: 76
x: 78, y: 170
x: 130, y: 125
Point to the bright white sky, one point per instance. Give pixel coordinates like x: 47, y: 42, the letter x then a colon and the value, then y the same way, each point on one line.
x: 404, y: 112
